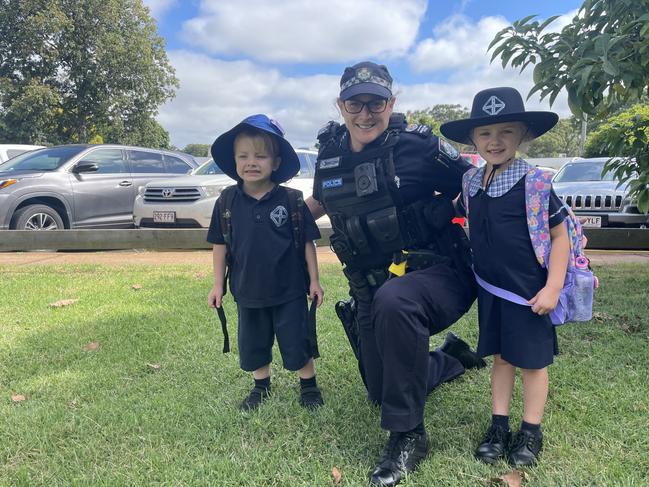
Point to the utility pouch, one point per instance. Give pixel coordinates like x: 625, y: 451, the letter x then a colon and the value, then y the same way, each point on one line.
x: 383, y: 225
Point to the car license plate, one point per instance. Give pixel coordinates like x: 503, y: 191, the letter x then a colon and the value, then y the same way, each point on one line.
x: 591, y: 221
x: 164, y: 217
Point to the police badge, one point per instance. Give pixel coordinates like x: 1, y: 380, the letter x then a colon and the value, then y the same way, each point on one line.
x: 449, y: 150
x: 363, y: 74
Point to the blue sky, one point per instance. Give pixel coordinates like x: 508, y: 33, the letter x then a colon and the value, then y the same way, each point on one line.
x: 284, y: 57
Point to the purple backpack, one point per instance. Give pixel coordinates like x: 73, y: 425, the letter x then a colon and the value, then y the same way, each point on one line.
x: 576, y: 298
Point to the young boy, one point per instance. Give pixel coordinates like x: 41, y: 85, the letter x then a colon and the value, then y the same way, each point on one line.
x: 267, y: 269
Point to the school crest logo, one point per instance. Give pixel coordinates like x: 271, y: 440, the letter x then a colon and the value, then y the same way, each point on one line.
x: 279, y: 216
x: 493, y: 106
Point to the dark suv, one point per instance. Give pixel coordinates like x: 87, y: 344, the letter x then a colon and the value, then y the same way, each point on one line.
x: 598, y: 200
x: 81, y: 186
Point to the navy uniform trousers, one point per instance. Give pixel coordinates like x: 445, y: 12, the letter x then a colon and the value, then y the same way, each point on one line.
x: 394, y: 330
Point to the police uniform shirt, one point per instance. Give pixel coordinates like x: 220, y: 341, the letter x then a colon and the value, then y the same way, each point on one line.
x: 423, y: 164
x: 267, y: 269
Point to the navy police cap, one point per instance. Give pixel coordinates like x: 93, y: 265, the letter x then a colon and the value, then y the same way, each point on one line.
x: 223, y: 148
x: 498, y: 105
x: 366, y: 78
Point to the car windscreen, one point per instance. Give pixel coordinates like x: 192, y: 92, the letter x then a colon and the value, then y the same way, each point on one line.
x: 208, y: 167
x: 582, y: 171
x: 42, y: 159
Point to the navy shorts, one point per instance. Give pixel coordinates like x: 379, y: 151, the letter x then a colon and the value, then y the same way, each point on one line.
x: 258, y: 327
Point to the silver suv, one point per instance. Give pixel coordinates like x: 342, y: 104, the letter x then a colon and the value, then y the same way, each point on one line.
x: 597, y: 199
x: 188, y: 202
x: 81, y: 186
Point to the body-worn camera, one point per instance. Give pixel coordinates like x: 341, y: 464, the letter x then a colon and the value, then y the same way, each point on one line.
x: 365, y: 179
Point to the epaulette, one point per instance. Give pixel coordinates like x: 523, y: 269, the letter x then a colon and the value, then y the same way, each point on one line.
x: 419, y: 129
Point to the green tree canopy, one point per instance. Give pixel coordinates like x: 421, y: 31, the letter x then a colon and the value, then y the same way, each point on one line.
x: 561, y: 141
x: 437, y: 115
x: 601, y: 58
x: 81, y: 70
x: 198, y: 150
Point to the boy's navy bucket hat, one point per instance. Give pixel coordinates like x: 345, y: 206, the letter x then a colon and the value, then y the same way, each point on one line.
x: 498, y: 105
x: 223, y: 148
x: 366, y: 78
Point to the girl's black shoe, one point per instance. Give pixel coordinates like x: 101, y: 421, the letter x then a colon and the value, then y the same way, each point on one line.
x: 494, y: 445
x: 525, y: 448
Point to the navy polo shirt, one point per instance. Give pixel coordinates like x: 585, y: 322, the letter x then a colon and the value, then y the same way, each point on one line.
x: 266, y: 267
x: 424, y: 163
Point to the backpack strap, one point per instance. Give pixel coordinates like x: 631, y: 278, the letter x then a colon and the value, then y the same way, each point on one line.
x: 466, y: 184
x: 538, y: 184
x: 225, y: 217
x: 296, y: 211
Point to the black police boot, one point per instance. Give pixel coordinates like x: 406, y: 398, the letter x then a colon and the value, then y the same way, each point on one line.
x: 494, y: 445
x: 525, y: 448
x: 401, y: 456
x: 459, y: 349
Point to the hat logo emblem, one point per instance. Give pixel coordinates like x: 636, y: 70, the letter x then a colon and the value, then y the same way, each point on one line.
x: 493, y: 106
x: 363, y: 74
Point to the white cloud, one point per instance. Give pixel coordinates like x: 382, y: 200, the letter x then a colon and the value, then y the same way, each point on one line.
x: 306, y: 31
x: 159, y: 7
x: 458, y: 44
x: 215, y: 95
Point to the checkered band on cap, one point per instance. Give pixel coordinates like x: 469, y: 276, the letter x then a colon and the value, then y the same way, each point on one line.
x: 363, y: 75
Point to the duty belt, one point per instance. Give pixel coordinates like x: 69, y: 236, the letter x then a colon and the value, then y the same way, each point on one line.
x: 415, y: 260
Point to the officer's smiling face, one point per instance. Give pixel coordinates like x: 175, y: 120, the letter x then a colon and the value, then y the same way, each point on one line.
x: 364, y: 127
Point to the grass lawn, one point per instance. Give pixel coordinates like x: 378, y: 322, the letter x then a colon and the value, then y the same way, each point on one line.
x: 111, y: 416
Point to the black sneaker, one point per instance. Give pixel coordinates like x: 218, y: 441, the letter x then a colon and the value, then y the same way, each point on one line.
x: 525, y: 448
x: 494, y: 445
x: 255, y: 398
x: 311, y: 397
x: 459, y: 349
x: 401, y: 456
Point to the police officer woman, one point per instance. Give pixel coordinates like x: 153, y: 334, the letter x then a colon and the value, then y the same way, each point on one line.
x: 387, y: 188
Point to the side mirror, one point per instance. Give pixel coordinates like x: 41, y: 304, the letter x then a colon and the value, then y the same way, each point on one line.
x: 85, y: 166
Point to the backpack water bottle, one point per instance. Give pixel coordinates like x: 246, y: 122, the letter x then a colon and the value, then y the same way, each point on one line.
x: 582, y: 297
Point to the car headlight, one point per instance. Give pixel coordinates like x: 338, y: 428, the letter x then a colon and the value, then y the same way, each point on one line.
x: 7, y: 182
x: 212, y: 191
x: 141, y: 190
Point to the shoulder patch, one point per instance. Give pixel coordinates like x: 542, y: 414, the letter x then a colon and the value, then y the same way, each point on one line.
x: 448, y: 149
x: 419, y: 129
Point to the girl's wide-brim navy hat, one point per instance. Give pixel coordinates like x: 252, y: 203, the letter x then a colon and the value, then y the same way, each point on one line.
x: 223, y: 148
x: 498, y: 105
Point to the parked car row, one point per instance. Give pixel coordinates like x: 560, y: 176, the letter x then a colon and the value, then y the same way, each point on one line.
x: 116, y: 186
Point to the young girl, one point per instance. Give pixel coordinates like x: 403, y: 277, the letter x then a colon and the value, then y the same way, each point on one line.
x: 517, y: 336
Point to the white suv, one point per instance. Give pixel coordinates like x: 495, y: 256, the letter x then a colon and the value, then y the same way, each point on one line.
x: 7, y: 151
x: 188, y: 202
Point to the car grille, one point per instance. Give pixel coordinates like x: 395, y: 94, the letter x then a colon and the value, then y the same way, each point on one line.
x: 171, y: 195
x: 592, y: 202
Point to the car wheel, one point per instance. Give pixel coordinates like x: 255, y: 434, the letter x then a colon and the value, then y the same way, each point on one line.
x: 37, y: 217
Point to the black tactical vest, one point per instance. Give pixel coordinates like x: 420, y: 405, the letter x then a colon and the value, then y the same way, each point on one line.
x: 359, y: 193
